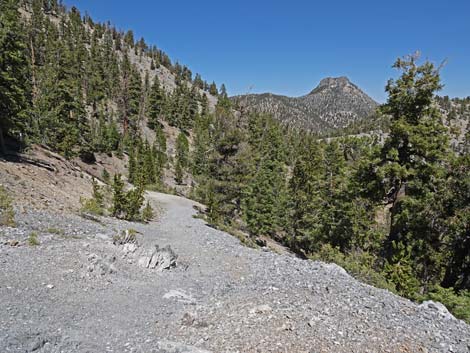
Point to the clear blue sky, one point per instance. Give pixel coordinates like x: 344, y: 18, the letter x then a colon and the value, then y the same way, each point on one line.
x: 286, y: 47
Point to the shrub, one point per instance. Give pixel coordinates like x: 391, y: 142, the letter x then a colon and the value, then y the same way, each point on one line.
x: 7, y: 213
x: 33, y: 239
x: 147, y: 212
x: 106, y: 177
x: 457, y: 303
x: 91, y: 206
x: 95, y: 205
x: 53, y: 230
x: 119, y: 197
x: 128, y: 236
x: 359, y: 264
x: 134, y: 200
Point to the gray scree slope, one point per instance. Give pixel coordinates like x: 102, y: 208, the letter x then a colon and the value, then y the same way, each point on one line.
x: 77, y: 292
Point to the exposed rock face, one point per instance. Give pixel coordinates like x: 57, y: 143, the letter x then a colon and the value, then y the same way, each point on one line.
x: 159, y: 259
x: 334, y: 103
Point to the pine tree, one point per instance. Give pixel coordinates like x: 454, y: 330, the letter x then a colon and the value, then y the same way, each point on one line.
x: 182, y: 157
x: 265, y: 195
x: 201, y: 145
x: 412, y: 167
x: 130, y: 95
x: 229, y: 159
x: 134, y: 200
x: 14, y: 90
x: 119, y: 197
x: 157, y: 102
x: 456, y: 198
x: 213, y: 89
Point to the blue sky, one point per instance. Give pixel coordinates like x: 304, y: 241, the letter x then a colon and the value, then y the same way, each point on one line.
x: 287, y: 47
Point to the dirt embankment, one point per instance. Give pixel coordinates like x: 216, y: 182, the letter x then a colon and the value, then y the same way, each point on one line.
x: 41, y: 179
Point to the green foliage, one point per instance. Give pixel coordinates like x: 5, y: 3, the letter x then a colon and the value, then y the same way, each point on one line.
x: 33, y: 239
x: 182, y: 157
x: 126, y: 205
x: 201, y: 145
x: 14, y: 89
x: 105, y: 175
x: 458, y: 303
x: 128, y: 236
x: 96, y: 204
x: 412, y: 170
x: 147, y: 212
x: 134, y: 201
x: 119, y: 197
x: 360, y: 264
x: 53, y: 230
x: 265, y: 195
x: 157, y: 104
x: 7, y: 213
x: 399, y: 271
x: 91, y: 206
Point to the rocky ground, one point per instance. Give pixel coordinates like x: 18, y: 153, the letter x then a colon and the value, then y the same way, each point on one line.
x: 77, y: 291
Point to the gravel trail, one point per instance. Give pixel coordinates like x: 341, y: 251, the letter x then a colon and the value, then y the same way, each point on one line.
x: 78, y: 292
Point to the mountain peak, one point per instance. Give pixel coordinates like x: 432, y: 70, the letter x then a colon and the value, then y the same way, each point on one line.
x: 335, y: 103
x: 332, y: 83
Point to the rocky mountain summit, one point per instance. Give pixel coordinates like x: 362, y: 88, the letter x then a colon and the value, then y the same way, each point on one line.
x: 82, y: 288
x: 335, y: 103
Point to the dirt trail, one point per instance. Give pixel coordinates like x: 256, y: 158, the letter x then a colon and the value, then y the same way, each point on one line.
x: 77, y: 292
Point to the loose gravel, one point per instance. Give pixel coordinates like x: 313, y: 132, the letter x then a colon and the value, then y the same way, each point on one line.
x: 78, y: 292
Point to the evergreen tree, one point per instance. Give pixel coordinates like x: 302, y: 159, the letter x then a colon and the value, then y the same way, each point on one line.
x: 213, y: 89
x: 157, y: 104
x: 182, y: 157
x: 201, y: 145
x: 412, y: 169
x: 14, y: 90
x: 129, y: 100
x: 265, y: 195
x: 119, y: 197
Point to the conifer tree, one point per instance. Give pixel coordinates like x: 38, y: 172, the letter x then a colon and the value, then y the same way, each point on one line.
x: 201, y: 145
x: 182, y: 157
x: 157, y: 103
x: 119, y: 197
x: 264, y: 198
x: 213, y: 89
x: 14, y: 91
x: 412, y: 168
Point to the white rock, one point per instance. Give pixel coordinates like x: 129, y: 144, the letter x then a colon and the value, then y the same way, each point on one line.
x: 261, y: 309
x: 438, y: 308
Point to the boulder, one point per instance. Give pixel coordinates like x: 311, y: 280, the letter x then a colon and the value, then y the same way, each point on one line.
x: 159, y: 259
x: 101, y: 266
x: 437, y: 308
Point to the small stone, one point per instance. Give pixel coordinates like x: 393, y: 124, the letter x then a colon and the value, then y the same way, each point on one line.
x: 50, y: 286
x: 188, y: 319
x: 14, y: 242
x: 261, y: 309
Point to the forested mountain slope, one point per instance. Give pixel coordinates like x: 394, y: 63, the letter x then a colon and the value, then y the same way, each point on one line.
x: 88, y: 88
x: 335, y: 103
